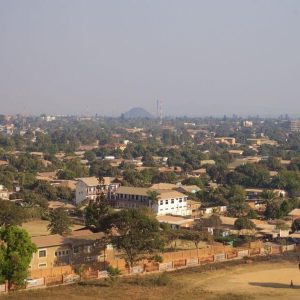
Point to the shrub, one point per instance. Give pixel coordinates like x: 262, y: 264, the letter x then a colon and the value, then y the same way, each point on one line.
x: 158, y: 258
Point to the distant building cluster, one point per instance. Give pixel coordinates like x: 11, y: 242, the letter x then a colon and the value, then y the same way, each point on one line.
x: 295, y: 126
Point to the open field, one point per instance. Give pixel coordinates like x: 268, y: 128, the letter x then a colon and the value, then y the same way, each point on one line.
x: 39, y: 227
x: 256, y: 280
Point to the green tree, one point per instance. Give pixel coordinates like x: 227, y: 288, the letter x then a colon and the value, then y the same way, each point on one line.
x: 16, y: 251
x: 280, y: 224
x: 136, y: 234
x: 214, y: 221
x: 252, y: 214
x: 194, y: 236
x: 10, y: 214
x: 237, y: 204
x: 153, y: 197
x: 273, y: 210
x: 194, y: 181
x: 60, y: 222
x: 45, y: 189
x: 296, y: 225
x: 244, y: 223
x: 96, y: 212
x: 64, y: 192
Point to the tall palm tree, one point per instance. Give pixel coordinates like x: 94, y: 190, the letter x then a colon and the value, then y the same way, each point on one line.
x: 152, y: 196
x: 268, y: 195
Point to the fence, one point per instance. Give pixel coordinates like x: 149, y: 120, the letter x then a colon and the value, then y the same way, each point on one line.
x: 3, y: 288
x: 34, y: 283
x: 171, y: 261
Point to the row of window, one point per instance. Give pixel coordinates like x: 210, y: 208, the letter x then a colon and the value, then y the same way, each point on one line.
x: 132, y: 197
x: 62, y: 253
x: 170, y: 208
x: 172, y: 201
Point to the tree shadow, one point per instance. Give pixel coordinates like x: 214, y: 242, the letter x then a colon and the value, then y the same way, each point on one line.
x: 274, y: 285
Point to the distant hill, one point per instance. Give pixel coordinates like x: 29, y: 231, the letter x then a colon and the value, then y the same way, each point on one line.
x: 137, y: 113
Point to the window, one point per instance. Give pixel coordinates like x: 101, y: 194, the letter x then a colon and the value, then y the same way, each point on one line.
x: 167, y: 201
x: 76, y: 250
x: 63, y: 253
x: 184, y: 199
x: 89, y: 258
x: 42, y: 253
x: 87, y: 249
x: 172, y: 201
x: 180, y: 200
x: 43, y: 265
x: 161, y: 202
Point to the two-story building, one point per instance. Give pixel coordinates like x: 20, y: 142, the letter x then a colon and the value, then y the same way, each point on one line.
x: 168, y: 201
x: 82, y: 247
x: 91, y: 187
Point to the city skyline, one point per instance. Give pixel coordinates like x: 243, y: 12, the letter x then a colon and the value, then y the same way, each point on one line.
x: 200, y: 58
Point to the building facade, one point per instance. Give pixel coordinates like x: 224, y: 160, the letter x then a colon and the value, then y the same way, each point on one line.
x: 168, y: 201
x: 91, y: 187
x: 81, y: 247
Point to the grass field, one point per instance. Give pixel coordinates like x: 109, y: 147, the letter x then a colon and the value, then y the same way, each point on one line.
x: 256, y: 280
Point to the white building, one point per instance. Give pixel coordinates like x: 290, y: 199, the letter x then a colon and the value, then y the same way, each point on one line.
x: 4, y: 193
x: 168, y: 202
x: 247, y: 124
x: 90, y: 188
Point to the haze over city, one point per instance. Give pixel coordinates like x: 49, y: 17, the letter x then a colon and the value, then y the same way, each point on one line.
x: 198, y: 57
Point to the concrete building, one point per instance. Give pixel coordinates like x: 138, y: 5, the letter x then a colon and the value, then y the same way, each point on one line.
x: 247, y: 124
x: 4, y: 193
x: 169, y: 201
x: 225, y: 140
x: 81, y: 247
x: 295, y: 125
x: 91, y: 187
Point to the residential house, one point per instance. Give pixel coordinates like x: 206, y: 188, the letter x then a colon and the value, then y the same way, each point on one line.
x: 225, y: 140
x: 194, y: 207
x: 188, y: 189
x: 176, y: 222
x: 213, y: 210
x: 207, y: 162
x: 295, y: 214
x: 82, y: 247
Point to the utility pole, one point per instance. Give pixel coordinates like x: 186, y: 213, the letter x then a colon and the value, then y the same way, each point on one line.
x: 159, y: 110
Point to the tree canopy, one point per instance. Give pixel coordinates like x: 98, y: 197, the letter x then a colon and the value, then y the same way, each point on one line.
x: 16, y: 251
x: 60, y: 222
x: 135, y: 233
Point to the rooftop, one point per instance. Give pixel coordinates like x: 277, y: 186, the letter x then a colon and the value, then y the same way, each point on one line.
x: 93, y: 181
x: 81, y: 236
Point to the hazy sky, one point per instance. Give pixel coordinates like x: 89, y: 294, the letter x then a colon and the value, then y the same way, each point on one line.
x: 199, y: 57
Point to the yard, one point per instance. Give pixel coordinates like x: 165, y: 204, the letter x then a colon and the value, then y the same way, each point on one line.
x: 255, y: 280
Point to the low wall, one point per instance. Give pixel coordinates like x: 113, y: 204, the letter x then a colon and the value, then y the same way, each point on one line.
x: 34, y: 283
x: 171, y: 261
x: 3, y: 288
x: 51, y: 272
